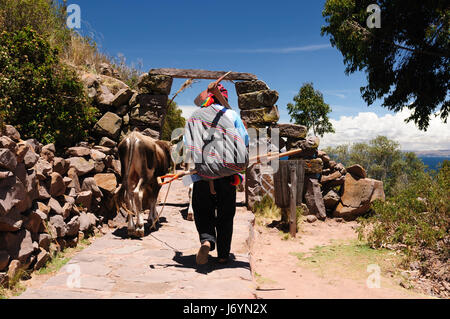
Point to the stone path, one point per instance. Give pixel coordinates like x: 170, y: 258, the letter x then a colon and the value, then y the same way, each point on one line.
x: 160, y: 265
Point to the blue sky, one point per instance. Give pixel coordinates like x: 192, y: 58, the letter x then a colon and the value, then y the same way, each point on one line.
x: 279, y: 41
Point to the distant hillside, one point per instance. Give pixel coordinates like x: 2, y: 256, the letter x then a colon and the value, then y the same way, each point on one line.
x: 438, y: 153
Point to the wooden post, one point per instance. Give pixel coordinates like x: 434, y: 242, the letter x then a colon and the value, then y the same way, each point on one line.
x: 293, y: 200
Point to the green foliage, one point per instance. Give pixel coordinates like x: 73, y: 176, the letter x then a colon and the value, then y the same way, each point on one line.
x: 46, y: 17
x: 40, y: 96
x: 417, y: 217
x: 174, y: 119
x: 382, y: 159
x: 406, y: 60
x: 311, y: 110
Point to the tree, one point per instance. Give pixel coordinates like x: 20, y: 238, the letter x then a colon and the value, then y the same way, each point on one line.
x: 174, y: 119
x: 311, y: 110
x: 406, y: 60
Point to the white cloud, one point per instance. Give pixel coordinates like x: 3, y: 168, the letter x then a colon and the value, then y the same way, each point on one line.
x: 187, y: 110
x: 313, y: 47
x: 368, y: 125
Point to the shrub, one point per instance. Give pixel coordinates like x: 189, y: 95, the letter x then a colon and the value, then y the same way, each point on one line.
x: 417, y: 219
x: 40, y: 96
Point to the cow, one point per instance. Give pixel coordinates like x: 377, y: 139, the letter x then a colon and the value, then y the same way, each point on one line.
x: 143, y: 159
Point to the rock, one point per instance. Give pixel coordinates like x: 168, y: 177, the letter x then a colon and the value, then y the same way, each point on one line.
x: 261, y: 116
x: 60, y: 165
x: 58, y: 223
x: 85, y: 223
x: 133, y: 100
x: 152, y: 133
x: 21, y: 150
x: 4, y: 259
x: 340, y: 167
x: 78, y: 151
x: 292, y: 130
x: 313, y: 198
x: 41, y: 259
x: 12, y: 133
x: 243, y: 87
x: 11, y: 222
x: 43, y: 193
x: 106, y: 69
x: 67, y: 181
x: 154, y: 84
x: 19, y: 245
x: 90, y: 80
x: 66, y: 210
x: 49, y: 147
x: 150, y: 111
x: 103, y: 149
x: 254, y: 100
x: 43, y: 169
x: 357, y: 197
x: 122, y: 97
x: 13, y: 270
x: 47, y: 155
x: 107, y: 142
x: 97, y: 155
x: 81, y: 165
x: 6, y: 142
x: 108, y: 182
x: 331, y: 199
x: 73, y: 226
x: 35, y: 222
x: 44, y: 241
x: 357, y: 171
x: 104, y: 97
x: 109, y: 125
x: 13, y: 194
x: 89, y: 184
x: 311, y: 218
x: 332, y: 177
x: 75, y: 183
x: 99, y: 167
x: 8, y: 159
x: 30, y: 159
x: 55, y: 206
x: 84, y: 199
x: 57, y: 187
x: 313, y: 166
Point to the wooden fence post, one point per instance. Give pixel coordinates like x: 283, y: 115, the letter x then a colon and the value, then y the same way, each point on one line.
x: 293, y: 200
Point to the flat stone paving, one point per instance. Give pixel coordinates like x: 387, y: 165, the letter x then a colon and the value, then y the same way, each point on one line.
x: 159, y: 265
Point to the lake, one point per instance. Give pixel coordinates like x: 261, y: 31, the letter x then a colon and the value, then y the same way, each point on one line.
x: 432, y: 162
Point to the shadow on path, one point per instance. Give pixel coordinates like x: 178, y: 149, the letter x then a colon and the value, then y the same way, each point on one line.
x: 123, y: 231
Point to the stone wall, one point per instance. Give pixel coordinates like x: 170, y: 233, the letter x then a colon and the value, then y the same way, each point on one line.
x: 48, y: 202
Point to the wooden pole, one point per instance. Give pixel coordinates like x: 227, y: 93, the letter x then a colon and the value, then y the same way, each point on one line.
x: 293, y: 201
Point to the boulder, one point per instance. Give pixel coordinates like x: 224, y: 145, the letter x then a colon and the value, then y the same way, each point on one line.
x: 331, y: 199
x: 43, y: 193
x: 150, y: 111
x: 97, y: 155
x: 254, y: 100
x: 243, y: 87
x: 35, y: 221
x: 11, y: 222
x: 75, y: 183
x: 81, y: 165
x: 357, y: 171
x: 4, y: 259
x: 314, y: 199
x: 21, y: 150
x: 107, y: 142
x: 12, y: 133
x: 313, y: 166
x: 73, y: 226
x: 103, y: 149
x: 154, y: 84
x: 264, y: 115
x: 109, y: 125
x: 59, y: 225
x: 331, y: 177
x: 311, y: 218
x: 152, y: 133
x: 8, y: 159
x: 6, y: 142
x: 41, y: 259
x: 43, y: 169
x: 89, y: 184
x: 55, y: 206
x: 106, y: 181
x: 122, y: 97
x: 85, y: 222
x: 45, y: 241
x: 84, y: 199
x: 47, y: 155
x: 357, y: 196
x: 19, y: 245
x: 57, y: 186
x: 30, y: 159
x: 78, y: 151
x: 13, y: 194
x: 292, y: 130
x: 104, y: 96
x: 60, y: 165
x: 99, y: 167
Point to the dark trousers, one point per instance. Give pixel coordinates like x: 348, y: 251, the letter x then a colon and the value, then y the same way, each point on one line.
x: 214, y: 214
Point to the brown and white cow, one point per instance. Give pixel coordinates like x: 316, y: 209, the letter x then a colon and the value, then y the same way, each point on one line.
x: 143, y: 159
